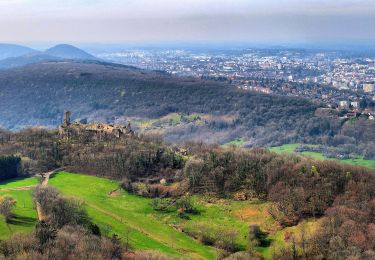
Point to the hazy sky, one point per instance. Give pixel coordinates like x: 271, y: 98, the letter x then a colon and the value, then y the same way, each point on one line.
x: 122, y: 21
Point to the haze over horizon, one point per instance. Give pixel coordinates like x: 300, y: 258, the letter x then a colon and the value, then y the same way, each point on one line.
x: 114, y: 21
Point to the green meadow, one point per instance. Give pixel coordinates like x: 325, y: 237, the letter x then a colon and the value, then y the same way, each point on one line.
x: 236, y: 142
x: 290, y: 148
x: 134, y: 219
x: 225, y: 214
x: 24, y: 213
x: 133, y: 216
x: 128, y: 216
x: 33, y: 181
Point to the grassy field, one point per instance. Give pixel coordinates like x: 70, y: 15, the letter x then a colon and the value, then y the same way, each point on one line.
x: 238, y: 216
x: 235, y: 142
x: 19, y: 183
x: 125, y: 214
x: 289, y: 148
x: 133, y: 216
x: 24, y: 213
x: 286, y: 148
x: 226, y: 214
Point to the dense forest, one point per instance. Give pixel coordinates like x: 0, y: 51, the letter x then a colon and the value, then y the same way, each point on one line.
x: 10, y: 167
x: 38, y: 94
x: 341, y: 196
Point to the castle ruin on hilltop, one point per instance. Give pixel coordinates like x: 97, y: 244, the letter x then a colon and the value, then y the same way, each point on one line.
x: 67, y: 128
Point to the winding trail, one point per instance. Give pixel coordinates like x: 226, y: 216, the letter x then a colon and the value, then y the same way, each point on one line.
x: 18, y: 188
x: 41, y: 216
x: 45, y: 178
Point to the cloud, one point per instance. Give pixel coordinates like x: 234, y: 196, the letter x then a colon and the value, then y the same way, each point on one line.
x: 124, y: 20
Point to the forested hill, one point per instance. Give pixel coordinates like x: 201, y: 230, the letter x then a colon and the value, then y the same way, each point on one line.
x: 297, y: 208
x: 38, y: 94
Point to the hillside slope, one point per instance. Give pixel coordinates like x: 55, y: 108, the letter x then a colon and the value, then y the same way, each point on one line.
x: 38, y: 94
x: 14, y: 56
x: 31, y: 58
x: 13, y: 50
x: 178, y: 108
x: 66, y: 51
x: 210, y: 193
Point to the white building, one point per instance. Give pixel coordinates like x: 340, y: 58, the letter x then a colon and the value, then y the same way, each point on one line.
x: 344, y: 104
x: 354, y: 104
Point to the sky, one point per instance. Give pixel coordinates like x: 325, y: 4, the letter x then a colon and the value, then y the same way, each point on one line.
x: 122, y: 21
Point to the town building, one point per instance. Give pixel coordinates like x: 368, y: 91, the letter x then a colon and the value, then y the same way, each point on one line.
x: 369, y: 88
x: 344, y: 104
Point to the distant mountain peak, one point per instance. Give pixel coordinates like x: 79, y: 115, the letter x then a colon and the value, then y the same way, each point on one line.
x: 14, y: 50
x: 67, y: 51
x: 12, y: 56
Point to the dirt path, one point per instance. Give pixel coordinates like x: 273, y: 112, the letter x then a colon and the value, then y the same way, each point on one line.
x: 39, y: 212
x: 18, y: 188
x: 45, y: 176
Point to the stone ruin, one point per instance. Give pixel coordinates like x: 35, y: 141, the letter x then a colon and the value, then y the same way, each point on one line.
x: 67, y: 128
x: 66, y: 121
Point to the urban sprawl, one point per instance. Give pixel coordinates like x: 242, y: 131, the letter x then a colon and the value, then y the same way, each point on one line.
x: 342, y: 81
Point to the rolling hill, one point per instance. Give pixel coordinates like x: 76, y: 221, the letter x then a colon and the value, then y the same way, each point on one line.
x: 195, y: 200
x: 13, y: 56
x: 66, y: 51
x: 178, y: 108
x: 14, y: 50
x: 35, y: 57
x: 38, y: 94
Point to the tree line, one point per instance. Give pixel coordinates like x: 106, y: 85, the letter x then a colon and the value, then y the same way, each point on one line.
x: 10, y: 167
x: 342, y: 196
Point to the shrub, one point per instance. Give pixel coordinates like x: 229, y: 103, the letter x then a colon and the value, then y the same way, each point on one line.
x: 126, y: 184
x: 186, y: 204
x: 182, y: 206
x: 226, y: 239
x: 68, y: 211
x: 243, y: 256
x: 154, y: 255
x: 46, y: 197
x: 70, y: 242
x: 164, y: 205
x: 45, y: 235
x: 211, y: 234
x: 16, y: 244
x: 6, y: 205
x: 60, y: 211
